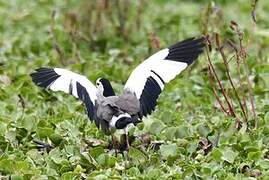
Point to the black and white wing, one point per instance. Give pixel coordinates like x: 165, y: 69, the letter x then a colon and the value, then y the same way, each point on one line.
x: 148, y: 79
x: 57, y: 79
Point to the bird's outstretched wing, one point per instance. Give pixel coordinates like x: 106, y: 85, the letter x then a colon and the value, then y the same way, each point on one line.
x: 148, y: 79
x: 57, y: 79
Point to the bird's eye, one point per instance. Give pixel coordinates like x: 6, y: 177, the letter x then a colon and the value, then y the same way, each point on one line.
x: 98, y: 84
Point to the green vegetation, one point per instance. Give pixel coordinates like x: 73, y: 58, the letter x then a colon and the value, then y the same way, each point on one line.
x: 189, y: 135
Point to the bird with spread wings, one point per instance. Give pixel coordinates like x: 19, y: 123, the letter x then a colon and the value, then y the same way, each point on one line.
x: 141, y: 91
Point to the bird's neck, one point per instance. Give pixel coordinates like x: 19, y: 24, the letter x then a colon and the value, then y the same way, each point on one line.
x: 108, y: 90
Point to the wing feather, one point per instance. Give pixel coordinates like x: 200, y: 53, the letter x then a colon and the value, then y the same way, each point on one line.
x: 57, y: 79
x: 148, y: 79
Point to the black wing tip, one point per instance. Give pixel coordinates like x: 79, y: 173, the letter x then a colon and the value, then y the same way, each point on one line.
x: 192, y: 40
x: 187, y: 51
x: 40, y: 70
x: 44, y: 77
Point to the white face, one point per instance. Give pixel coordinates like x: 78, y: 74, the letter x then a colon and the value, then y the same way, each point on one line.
x: 99, y: 85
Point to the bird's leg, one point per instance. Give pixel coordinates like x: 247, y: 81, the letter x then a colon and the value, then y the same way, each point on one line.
x: 127, y: 144
x: 127, y: 139
x: 114, y: 144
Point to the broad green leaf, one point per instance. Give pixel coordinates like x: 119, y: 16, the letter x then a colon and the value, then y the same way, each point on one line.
x: 229, y: 155
x: 16, y: 177
x: 216, y: 154
x: 167, y: 117
x: 106, y: 160
x: 44, y: 132
x: 96, y: 151
x: 264, y: 164
x: 170, y: 133
x: 69, y: 175
x: 153, y: 173
x: 7, y: 166
x: 156, y: 127
x: 137, y: 156
x: 56, y: 138
x: 133, y: 171
x: 256, y: 155
x: 168, y: 150
x: 203, y: 130
x: 182, y: 131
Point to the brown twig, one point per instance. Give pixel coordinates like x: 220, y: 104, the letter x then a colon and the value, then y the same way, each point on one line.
x: 211, y: 80
x: 55, y: 45
x: 241, y: 87
x: 231, y: 109
x: 138, y: 16
x: 253, y: 11
x: 241, y: 54
x: 122, y: 16
x: 224, y: 58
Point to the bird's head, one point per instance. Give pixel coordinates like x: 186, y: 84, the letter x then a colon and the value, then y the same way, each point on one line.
x: 121, y: 121
x: 104, y: 86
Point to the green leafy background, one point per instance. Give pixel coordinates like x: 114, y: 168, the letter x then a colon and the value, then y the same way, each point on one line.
x: 95, y: 45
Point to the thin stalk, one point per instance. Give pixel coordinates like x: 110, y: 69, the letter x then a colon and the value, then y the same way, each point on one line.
x: 243, y: 56
x: 211, y: 78
x: 231, y: 110
x: 220, y: 49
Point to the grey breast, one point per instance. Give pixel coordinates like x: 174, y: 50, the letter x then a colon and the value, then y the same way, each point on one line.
x: 116, y: 105
x: 104, y: 110
x: 128, y: 103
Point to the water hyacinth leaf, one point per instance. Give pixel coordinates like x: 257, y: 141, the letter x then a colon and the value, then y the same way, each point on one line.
x: 229, y: 155
x: 21, y: 133
x: 137, y: 156
x: 96, y: 151
x: 156, y: 127
x: 98, y: 177
x: 264, y: 163
x: 216, y: 154
x: 133, y: 171
x: 168, y: 150
x: 16, y: 177
x: 106, y: 160
x: 11, y: 136
x: 29, y: 124
x: 6, y: 166
x: 182, y: 131
x: 203, y: 130
x: 44, y: 132
x: 154, y: 173
x: 169, y: 133
x: 56, y: 138
x: 256, y: 155
x: 167, y: 117
x: 88, y: 161
x: 69, y: 175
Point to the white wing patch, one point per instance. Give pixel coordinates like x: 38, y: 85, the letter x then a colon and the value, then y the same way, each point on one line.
x: 148, y: 79
x: 165, y: 70
x: 57, y: 79
x: 68, y: 79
